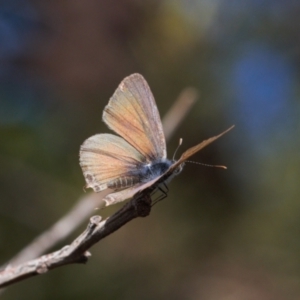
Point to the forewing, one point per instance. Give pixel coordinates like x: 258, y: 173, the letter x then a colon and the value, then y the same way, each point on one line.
x: 133, y: 114
x: 105, y: 158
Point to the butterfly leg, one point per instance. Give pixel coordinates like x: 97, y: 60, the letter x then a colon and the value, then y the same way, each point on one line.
x: 164, y: 193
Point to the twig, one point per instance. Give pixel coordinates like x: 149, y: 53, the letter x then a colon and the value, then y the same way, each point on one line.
x: 179, y: 110
x: 77, y: 252
x: 62, y: 228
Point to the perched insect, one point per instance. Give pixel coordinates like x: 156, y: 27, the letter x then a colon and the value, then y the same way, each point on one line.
x: 137, y: 159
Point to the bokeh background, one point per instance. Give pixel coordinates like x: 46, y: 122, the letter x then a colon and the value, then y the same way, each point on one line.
x: 231, y: 234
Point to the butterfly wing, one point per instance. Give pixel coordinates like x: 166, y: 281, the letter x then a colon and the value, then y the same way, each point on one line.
x: 133, y: 114
x: 120, y: 196
x: 105, y: 158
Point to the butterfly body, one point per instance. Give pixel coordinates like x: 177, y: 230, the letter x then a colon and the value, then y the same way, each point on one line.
x: 144, y: 173
x: 136, y: 159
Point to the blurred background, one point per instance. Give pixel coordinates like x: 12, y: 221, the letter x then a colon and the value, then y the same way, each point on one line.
x: 231, y: 234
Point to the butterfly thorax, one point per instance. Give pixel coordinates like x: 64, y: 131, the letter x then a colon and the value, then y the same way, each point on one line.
x: 144, y: 173
x: 154, y: 169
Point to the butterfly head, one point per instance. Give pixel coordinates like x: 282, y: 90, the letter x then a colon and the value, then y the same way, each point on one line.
x: 179, y: 169
x: 174, y: 169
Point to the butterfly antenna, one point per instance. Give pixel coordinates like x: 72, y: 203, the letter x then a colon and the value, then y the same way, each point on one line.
x: 206, y: 165
x: 179, y: 144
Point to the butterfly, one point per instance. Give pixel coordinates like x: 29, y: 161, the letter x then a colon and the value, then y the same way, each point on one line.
x: 137, y: 158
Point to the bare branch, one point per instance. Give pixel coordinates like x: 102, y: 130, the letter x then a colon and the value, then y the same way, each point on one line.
x: 77, y: 252
x: 179, y: 110
x: 62, y: 228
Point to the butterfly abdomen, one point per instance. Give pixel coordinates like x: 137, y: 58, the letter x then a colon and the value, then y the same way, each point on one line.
x: 123, y: 182
x: 145, y: 173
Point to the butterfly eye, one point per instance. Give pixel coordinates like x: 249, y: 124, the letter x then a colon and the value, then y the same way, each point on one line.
x: 179, y: 169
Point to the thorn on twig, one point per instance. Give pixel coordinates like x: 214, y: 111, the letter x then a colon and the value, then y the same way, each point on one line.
x: 95, y: 220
